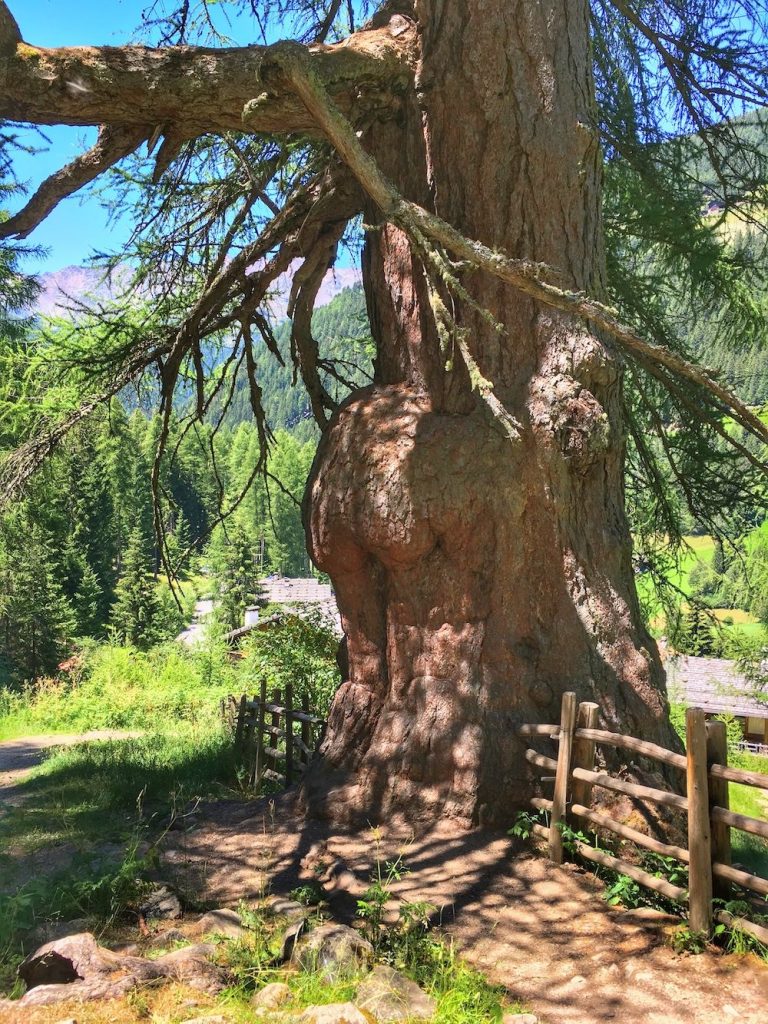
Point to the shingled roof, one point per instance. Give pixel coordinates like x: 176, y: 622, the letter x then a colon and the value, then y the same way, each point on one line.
x: 299, y: 593
x: 712, y: 684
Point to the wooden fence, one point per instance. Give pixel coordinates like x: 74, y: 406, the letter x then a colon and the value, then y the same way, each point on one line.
x: 274, y: 739
x: 707, y: 774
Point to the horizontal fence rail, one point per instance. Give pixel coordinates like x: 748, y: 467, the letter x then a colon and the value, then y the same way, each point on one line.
x: 709, y: 818
x: 274, y: 740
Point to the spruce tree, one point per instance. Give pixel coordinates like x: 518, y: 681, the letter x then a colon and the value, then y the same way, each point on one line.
x: 36, y: 618
x: 136, y: 612
x: 235, y: 570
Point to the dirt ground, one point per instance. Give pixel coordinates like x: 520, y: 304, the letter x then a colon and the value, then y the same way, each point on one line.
x: 541, y: 931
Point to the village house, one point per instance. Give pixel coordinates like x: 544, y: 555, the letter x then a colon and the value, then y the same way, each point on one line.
x: 715, y: 685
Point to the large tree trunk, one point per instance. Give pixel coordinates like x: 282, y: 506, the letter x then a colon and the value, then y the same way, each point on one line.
x: 477, y: 577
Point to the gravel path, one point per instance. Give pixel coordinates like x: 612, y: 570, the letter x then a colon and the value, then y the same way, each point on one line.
x: 194, y: 632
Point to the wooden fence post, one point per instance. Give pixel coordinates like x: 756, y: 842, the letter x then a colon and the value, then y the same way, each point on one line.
x: 258, y: 768
x: 277, y: 697
x: 560, y: 796
x: 240, y: 724
x: 699, y: 837
x: 289, y: 734
x: 584, y: 752
x: 306, y: 730
x: 717, y: 753
x: 247, y: 738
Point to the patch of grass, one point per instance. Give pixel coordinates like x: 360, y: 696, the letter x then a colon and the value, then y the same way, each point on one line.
x: 312, y: 988
x: 737, y: 616
x: 87, y: 792
x: 463, y: 995
x: 749, y: 850
x: 696, y: 550
x: 169, y: 1004
x: 118, y: 687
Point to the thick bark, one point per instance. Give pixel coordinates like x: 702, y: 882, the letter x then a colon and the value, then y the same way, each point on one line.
x: 478, y: 578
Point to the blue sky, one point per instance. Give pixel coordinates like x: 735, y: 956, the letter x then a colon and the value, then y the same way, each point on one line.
x: 75, y: 227
x: 79, y: 225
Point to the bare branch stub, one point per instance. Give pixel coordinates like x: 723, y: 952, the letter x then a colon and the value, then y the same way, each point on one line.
x: 10, y: 36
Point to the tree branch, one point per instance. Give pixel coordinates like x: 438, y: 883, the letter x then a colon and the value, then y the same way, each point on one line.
x: 290, y: 63
x: 111, y: 145
x: 188, y: 90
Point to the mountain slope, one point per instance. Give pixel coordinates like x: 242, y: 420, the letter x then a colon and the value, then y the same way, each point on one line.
x: 81, y: 284
x: 343, y: 335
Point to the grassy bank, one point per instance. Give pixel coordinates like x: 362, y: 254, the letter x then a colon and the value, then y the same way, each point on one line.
x: 78, y: 838
x: 697, y: 551
x: 749, y: 850
x: 110, y: 686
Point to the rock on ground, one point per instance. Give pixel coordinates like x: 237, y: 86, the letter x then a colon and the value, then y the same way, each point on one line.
x: 335, y: 950
x: 161, y: 904
x: 391, y: 997
x: 77, y: 967
x: 334, y: 1013
x: 165, y: 938
x: 272, y: 996
x: 192, y: 966
x: 278, y: 906
x: 220, y: 922
x: 291, y: 936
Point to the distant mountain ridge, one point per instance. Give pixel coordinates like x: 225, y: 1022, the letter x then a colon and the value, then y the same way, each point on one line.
x: 61, y: 289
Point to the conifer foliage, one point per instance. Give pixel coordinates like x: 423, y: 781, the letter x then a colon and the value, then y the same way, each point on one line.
x: 136, y: 611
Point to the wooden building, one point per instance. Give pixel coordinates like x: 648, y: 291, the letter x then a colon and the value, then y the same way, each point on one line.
x: 715, y: 685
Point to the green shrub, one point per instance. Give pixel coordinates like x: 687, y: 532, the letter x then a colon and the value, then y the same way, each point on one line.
x: 300, y: 650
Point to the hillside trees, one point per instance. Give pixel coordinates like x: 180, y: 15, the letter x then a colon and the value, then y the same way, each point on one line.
x: 36, y: 617
x: 469, y: 505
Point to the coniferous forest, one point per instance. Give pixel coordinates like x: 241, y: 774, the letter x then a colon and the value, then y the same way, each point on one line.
x: 79, y: 556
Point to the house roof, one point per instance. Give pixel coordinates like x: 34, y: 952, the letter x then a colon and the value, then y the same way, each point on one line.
x: 282, y: 590
x: 712, y: 684
x: 297, y: 593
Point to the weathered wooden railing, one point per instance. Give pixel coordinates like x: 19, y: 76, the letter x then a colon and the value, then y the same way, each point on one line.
x: 707, y: 773
x: 274, y: 739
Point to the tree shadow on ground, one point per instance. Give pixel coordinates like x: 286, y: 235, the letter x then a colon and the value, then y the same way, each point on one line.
x: 541, y: 931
